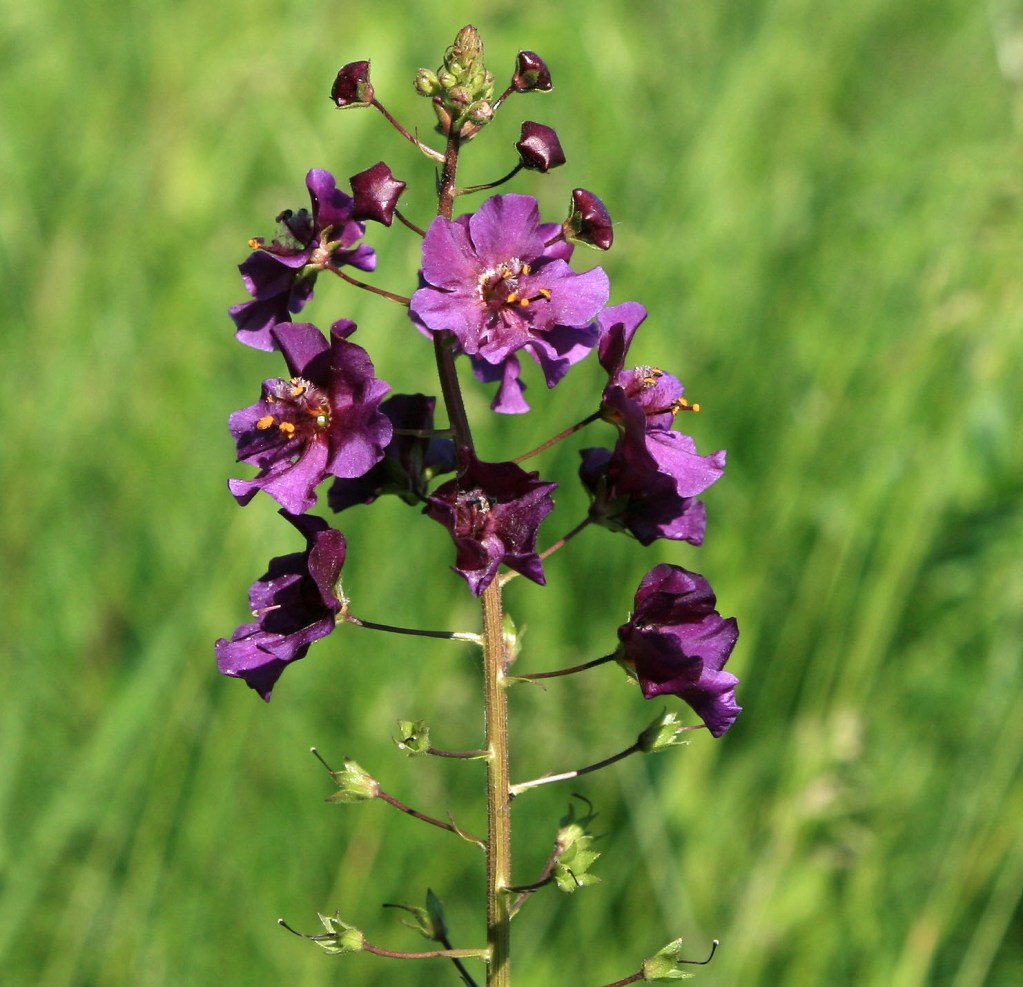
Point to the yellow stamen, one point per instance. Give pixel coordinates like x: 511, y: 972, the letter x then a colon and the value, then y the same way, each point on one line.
x: 287, y: 428
x: 265, y: 422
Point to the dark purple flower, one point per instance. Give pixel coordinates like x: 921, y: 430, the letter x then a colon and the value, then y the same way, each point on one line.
x: 493, y: 511
x: 491, y: 280
x: 633, y: 497
x: 325, y: 420
x: 294, y: 603
x: 676, y: 643
x: 410, y: 461
x: 280, y: 276
x: 589, y: 221
x: 531, y: 74
x: 644, y: 402
x: 539, y: 148
x: 352, y: 86
x: 376, y: 193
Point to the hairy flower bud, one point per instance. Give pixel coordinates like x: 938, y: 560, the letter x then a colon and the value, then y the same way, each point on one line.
x: 352, y: 86
x: 531, y: 74
x: 539, y: 148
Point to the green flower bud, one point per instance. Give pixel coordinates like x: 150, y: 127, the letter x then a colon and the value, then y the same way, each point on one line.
x: 426, y: 83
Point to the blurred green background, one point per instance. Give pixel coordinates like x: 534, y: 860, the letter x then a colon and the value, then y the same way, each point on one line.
x: 822, y: 207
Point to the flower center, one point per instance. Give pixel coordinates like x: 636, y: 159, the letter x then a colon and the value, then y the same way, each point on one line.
x: 472, y: 509
x: 499, y: 286
x: 301, y: 408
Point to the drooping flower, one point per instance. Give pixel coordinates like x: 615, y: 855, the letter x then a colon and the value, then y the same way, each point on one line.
x: 295, y: 603
x: 491, y: 279
x: 493, y: 512
x: 633, y: 497
x: 676, y: 643
x: 323, y: 421
x: 410, y: 460
x: 280, y: 275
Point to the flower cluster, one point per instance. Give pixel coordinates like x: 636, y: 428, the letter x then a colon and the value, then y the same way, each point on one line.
x: 496, y: 287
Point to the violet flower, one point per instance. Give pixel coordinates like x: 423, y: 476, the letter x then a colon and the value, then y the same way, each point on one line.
x: 491, y: 280
x: 676, y: 643
x: 325, y: 420
x: 633, y: 497
x: 644, y: 402
x: 410, y: 460
x: 493, y: 512
x: 295, y: 603
x: 280, y: 276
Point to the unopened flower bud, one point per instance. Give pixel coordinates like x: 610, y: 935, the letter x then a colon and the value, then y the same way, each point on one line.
x: 376, y: 192
x: 539, y: 147
x: 426, y: 83
x: 352, y: 86
x: 481, y: 113
x: 531, y: 74
x: 589, y: 222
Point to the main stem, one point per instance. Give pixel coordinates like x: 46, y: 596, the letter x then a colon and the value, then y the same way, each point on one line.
x: 495, y: 695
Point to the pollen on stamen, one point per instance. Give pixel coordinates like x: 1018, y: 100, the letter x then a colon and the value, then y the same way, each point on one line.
x: 287, y: 428
x: 682, y: 404
x: 265, y: 422
x: 256, y: 242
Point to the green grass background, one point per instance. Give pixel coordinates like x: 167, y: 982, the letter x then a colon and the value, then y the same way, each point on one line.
x: 820, y: 204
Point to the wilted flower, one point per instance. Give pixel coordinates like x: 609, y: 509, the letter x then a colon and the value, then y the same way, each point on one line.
x: 491, y: 280
x: 323, y: 421
x: 280, y: 275
x: 676, y: 643
x: 531, y: 73
x: 539, y: 148
x: 589, y: 221
x: 493, y: 511
x: 376, y: 193
x: 295, y: 603
x: 352, y: 87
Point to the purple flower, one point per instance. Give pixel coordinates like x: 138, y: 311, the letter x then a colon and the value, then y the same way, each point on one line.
x: 491, y: 280
x: 294, y: 603
x: 493, y: 512
x: 410, y: 461
x: 635, y: 498
x: 676, y: 643
x: 280, y: 277
x: 325, y: 420
x: 643, y: 402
